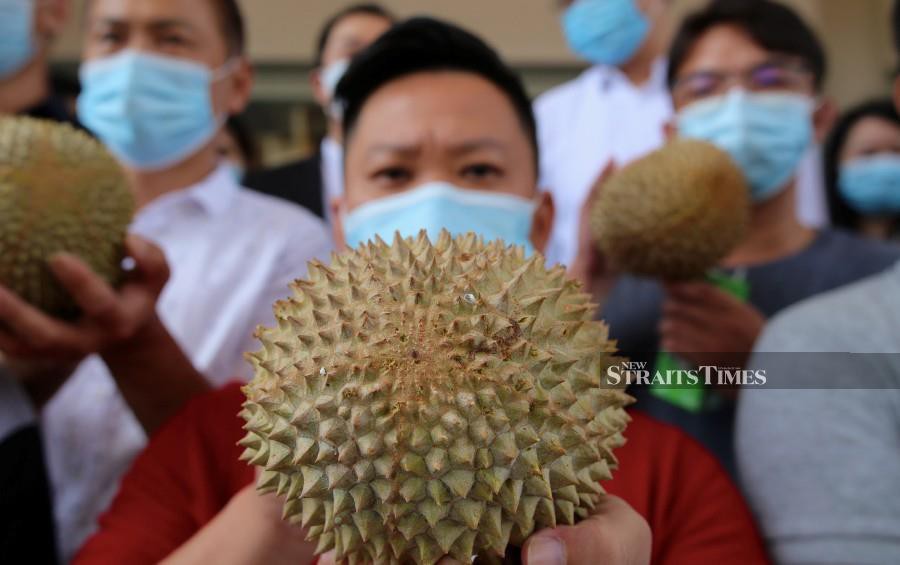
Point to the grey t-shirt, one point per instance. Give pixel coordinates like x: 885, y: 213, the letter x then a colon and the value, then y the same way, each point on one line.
x: 633, y: 310
x: 821, y: 465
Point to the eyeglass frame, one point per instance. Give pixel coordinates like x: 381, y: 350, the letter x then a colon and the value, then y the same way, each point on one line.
x: 801, y: 71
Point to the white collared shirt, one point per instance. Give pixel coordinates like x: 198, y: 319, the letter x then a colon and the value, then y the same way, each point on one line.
x: 601, y: 116
x: 232, y: 253
x: 332, y: 173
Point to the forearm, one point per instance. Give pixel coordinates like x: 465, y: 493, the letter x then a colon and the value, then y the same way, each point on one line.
x: 153, y: 374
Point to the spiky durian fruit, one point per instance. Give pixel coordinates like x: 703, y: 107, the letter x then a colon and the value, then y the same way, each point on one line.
x: 420, y: 400
x: 59, y: 191
x: 673, y: 214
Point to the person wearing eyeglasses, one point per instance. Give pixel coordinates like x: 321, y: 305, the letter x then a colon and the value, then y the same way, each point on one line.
x: 747, y: 77
x: 616, y: 110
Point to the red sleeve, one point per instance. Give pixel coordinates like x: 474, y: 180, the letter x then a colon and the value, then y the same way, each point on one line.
x: 696, y: 513
x: 185, y: 476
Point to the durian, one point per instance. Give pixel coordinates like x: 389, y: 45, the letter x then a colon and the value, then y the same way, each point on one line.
x: 418, y: 400
x: 60, y: 191
x: 673, y: 214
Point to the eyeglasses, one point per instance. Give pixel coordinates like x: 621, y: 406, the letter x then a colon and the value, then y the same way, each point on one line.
x: 765, y: 77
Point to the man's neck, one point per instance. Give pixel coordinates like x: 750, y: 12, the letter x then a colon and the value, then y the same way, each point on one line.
x: 774, y: 233
x: 335, y: 131
x: 150, y: 185
x: 26, y: 89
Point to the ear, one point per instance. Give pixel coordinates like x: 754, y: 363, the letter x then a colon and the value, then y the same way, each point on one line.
x: 670, y: 130
x: 337, y: 207
x: 51, y: 17
x: 542, y: 222
x: 824, y: 118
x: 241, y: 86
x: 315, y: 82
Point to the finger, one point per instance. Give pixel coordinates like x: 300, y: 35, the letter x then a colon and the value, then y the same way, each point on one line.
x: 685, y: 313
x: 327, y: 558
x: 37, y: 330
x: 12, y: 347
x: 150, y: 262
x: 692, y: 291
x: 97, y: 300
x: 615, y: 533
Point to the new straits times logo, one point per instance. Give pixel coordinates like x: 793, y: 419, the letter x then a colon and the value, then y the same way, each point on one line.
x: 637, y: 373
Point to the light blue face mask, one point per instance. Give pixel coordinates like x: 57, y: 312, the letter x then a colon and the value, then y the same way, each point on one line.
x: 871, y: 185
x: 17, y: 44
x: 151, y: 111
x: 437, y: 206
x: 607, y: 32
x: 766, y: 134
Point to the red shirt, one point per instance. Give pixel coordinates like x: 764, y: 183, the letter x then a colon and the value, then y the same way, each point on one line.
x: 190, y: 470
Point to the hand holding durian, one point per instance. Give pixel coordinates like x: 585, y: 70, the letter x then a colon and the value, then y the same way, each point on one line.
x: 424, y: 400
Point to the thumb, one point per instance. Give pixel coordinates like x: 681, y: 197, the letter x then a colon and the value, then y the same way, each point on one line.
x: 326, y: 559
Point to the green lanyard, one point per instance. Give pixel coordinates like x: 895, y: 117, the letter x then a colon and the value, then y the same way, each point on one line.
x: 686, y: 396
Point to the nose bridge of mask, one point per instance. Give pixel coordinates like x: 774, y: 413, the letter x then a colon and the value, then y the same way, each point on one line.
x: 436, y: 206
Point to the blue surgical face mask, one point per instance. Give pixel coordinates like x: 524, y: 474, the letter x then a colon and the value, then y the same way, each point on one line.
x: 607, y: 32
x: 437, y: 206
x: 330, y: 77
x: 871, y: 185
x: 17, y: 42
x: 151, y: 111
x: 766, y: 134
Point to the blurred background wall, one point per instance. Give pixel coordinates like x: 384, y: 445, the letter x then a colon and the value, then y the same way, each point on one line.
x: 857, y: 35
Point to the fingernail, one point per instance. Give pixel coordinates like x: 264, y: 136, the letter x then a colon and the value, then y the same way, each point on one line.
x: 546, y: 550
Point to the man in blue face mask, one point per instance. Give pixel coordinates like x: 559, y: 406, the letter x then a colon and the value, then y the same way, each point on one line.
x: 27, y: 30
x: 159, y: 78
x: 746, y: 77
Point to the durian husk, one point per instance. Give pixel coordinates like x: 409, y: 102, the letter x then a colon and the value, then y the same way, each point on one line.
x: 417, y: 400
x: 673, y: 214
x: 60, y: 191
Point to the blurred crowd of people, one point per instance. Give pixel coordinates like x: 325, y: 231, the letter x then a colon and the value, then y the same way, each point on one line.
x: 118, y: 431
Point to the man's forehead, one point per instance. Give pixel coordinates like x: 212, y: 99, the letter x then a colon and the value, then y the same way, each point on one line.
x: 725, y: 46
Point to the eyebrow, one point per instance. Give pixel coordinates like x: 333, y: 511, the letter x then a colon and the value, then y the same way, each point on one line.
x: 157, y: 24
x: 412, y: 149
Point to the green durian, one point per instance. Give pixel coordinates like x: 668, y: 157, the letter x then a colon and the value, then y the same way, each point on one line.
x: 673, y: 214
x: 418, y: 400
x: 60, y: 191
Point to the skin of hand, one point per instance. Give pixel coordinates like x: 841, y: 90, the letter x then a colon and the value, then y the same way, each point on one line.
x: 152, y: 373
x: 590, y: 267
x: 615, y: 534
x: 109, y: 316
x: 249, y: 530
x: 707, y: 326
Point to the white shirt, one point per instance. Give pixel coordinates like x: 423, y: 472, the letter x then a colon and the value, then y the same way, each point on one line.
x: 601, y: 116
x: 232, y: 253
x: 332, y: 173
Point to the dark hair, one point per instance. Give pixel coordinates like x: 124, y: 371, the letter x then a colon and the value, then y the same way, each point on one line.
x: 232, y: 22
x: 370, y: 9
x: 843, y: 215
x: 425, y: 44
x: 773, y: 26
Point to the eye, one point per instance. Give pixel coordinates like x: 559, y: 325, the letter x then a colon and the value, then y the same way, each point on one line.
x: 481, y: 172
x: 393, y: 175
x: 109, y: 37
x: 173, y: 40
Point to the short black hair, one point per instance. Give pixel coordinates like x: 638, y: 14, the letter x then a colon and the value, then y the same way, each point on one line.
x: 370, y: 9
x: 773, y: 26
x: 423, y: 45
x: 231, y: 21
x: 842, y: 215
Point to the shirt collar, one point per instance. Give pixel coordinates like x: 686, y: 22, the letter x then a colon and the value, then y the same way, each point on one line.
x: 215, y: 193
x: 610, y: 77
